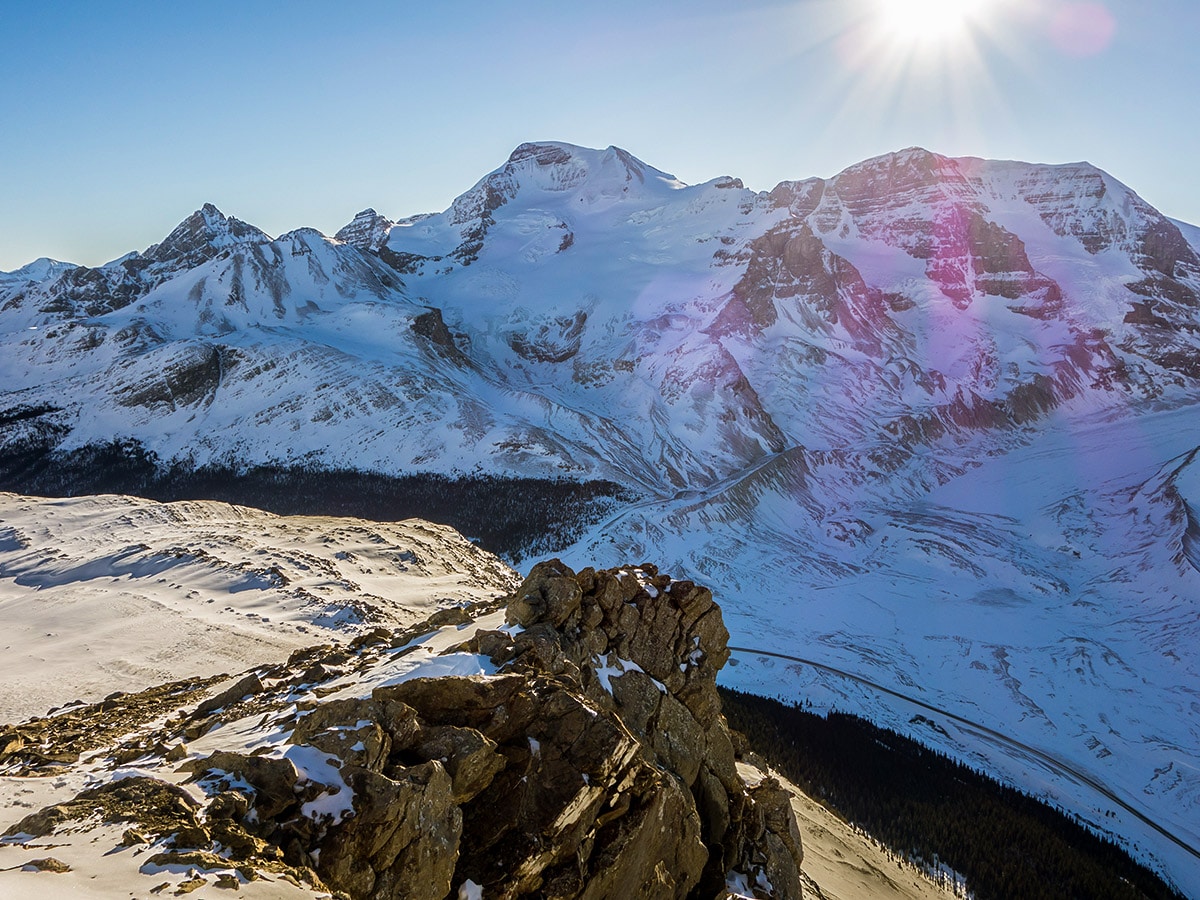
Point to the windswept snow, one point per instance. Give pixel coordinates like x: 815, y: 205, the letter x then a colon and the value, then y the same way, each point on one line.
x: 109, y: 593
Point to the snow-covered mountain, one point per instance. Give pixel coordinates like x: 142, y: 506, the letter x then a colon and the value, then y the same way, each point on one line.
x: 928, y: 422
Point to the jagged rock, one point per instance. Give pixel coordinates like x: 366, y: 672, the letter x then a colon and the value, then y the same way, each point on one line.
x: 132, y: 838
x: 403, y: 839
x: 595, y: 763
x: 10, y: 742
x: 273, y: 780
x: 367, y: 231
x: 454, y: 615
x: 773, y: 837
x: 350, y: 730
x: 247, y: 684
x: 160, y: 808
x: 550, y: 593
x: 673, y: 635
x: 469, y: 757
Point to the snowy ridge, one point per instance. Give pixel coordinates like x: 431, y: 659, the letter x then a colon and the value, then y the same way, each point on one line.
x: 107, y: 593
x: 42, y: 269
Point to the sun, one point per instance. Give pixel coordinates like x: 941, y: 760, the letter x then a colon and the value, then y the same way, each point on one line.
x: 917, y: 65
x: 928, y: 22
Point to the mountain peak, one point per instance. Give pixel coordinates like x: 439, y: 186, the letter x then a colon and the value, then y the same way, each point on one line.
x: 41, y: 269
x: 582, y: 162
x: 202, y: 235
x: 906, y: 165
x: 368, y: 230
x: 544, y: 153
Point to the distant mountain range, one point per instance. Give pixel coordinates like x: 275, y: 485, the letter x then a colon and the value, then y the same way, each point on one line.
x: 930, y: 424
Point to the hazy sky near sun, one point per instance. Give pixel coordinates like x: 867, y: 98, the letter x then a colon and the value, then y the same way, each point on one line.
x: 120, y: 118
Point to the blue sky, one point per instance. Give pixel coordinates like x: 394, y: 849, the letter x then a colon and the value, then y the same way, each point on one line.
x: 121, y: 117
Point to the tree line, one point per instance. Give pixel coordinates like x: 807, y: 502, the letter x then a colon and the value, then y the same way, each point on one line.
x: 517, y: 518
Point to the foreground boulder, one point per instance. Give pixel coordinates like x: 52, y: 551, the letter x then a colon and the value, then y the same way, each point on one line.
x: 569, y: 746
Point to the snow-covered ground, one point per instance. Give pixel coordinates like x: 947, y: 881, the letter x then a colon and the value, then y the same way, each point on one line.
x: 108, y: 593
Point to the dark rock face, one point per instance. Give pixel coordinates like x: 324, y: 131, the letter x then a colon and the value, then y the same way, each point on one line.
x: 201, y: 236
x: 792, y: 272
x: 190, y: 377
x: 431, y: 325
x: 969, y: 255
x: 598, y: 766
x: 595, y: 763
x: 554, y: 340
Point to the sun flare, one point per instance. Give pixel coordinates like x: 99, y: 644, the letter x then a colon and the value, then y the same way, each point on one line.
x: 928, y: 21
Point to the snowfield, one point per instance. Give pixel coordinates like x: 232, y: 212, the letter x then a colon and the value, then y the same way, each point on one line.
x: 108, y: 593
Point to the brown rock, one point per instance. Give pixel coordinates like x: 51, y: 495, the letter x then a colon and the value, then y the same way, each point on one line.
x: 191, y: 884
x: 11, y: 741
x: 549, y: 592
x: 273, y: 780
x: 228, y: 806
x: 469, y: 757
x: 773, y: 843
x: 48, y: 864
x: 402, y: 840
x: 157, y: 806
x: 350, y: 730
x: 454, y: 615
x: 229, y: 694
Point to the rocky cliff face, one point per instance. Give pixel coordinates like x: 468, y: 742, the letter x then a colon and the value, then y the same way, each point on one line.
x: 568, y: 745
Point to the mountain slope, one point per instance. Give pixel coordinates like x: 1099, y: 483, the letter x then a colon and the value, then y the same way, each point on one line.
x: 926, y: 420
x: 114, y: 593
x: 569, y: 745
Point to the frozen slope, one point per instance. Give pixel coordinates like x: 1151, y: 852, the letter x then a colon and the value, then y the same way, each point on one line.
x: 115, y: 593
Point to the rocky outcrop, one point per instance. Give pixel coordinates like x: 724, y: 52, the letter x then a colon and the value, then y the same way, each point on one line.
x: 592, y: 762
x: 553, y: 340
x: 648, y: 649
x: 368, y: 231
x: 431, y: 326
